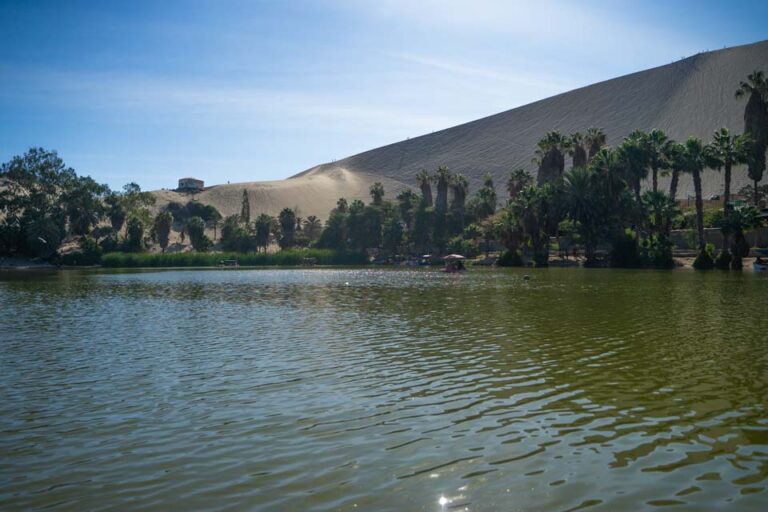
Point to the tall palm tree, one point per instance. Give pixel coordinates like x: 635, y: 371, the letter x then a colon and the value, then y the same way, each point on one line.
x: 657, y: 146
x: 377, y: 193
x: 287, y: 220
x: 576, y: 149
x: 695, y: 161
x: 406, y: 201
x: 594, y: 139
x: 756, y: 123
x: 424, y: 181
x: 263, y: 227
x: 312, y: 227
x: 550, y: 157
x: 342, y: 206
x: 635, y: 155
x: 442, y: 179
x: 724, y: 152
x: 677, y: 165
x: 460, y: 188
x: 518, y: 180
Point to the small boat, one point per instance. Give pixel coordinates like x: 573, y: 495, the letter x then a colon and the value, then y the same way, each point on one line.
x: 454, y: 263
x: 229, y: 264
x: 760, y: 264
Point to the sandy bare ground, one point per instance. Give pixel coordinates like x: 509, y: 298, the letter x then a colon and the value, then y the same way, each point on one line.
x: 312, y: 194
x: 690, y: 97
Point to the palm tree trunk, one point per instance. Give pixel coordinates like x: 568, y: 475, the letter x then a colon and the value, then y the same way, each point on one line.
x: 727, y: 188
x: 699, y: 209
x: 673, y: 195
x: 655, y: 173
x: 757, y: 196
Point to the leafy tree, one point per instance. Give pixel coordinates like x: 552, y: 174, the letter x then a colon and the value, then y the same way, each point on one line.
x: 334, y: 235
x: 287, y: 221
x: 392, y: 235
x: 196, y: 230
x: 485, y: 199
x: 342, y: 206
x: 43, y: 197
x: 407, y: 202
x: 245, y: 208
x: 377, y: 193
x: 162, y: 229
x: 263, y: 228
x: 134, y: 236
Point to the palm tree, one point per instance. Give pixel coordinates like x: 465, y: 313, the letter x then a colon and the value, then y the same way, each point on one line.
x: 460, y: 188
x: 287, y: 220
x: 724, y: 152
x: 406, y: 200
x: 424, y: 181
x: 635, y: 155
x: 518, y: 180
x: 576, y: 149
x: 550, y: 157
x: 442, y: 179
x: 694, y: 163
x: 245, y: 208
x: 661, y: 205
x: 657, y: 146
x: 377, y: 193
x: 677, y: 165
x: 756, y: 123
x: 263, y: 230
x: 312, y: 227
x: 342, y: 206
x: 594, y: 140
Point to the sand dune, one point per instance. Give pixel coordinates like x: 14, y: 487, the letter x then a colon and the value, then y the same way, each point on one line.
x: 691, y: 97
x: 313, y: 194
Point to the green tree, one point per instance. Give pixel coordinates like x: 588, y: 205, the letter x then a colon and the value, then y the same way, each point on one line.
x: 594, y: 140
x: 377, y: 193
x: 657, y: 147
x: 287, y: 221
x: 407, y: 202
x: 196, y: 230
x: 312, y: 227
x: 162, y: 229
x: 755, y: 123
x: 460, y: 188
x: 245, y: 208
x: 334, y: 235
x: 576, y: 149
x: 424, y: 181
x: 550, y: 157
x: 694, y: 162
x: 134, y: 235
x: 263, y: 228
x: 518, y: 180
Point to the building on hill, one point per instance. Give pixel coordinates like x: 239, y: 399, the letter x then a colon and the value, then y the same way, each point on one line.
x: 190, y: 185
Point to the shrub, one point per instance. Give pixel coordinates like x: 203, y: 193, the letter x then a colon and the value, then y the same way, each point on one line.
x: 704, y: 260
x: 199, y: 259
x: 510, y: 259
x: 625, y: 252
x: 723, y: 260
x: 656, y: 252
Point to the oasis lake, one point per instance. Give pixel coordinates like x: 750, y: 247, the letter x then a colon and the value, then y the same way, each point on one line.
x: 363, y: 389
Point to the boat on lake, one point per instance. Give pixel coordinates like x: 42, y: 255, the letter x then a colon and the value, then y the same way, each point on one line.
x: 454, y: 263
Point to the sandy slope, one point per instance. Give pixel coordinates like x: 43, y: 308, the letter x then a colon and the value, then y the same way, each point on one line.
x: 314, y: 194
x: 693, y: 96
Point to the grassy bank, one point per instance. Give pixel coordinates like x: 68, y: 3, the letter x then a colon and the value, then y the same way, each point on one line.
x: 287, y: 258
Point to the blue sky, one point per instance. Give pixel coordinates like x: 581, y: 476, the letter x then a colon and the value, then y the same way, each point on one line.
x: 260, y: 90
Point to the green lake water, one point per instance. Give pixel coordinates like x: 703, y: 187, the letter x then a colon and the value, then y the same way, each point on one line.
x: 331, y: 389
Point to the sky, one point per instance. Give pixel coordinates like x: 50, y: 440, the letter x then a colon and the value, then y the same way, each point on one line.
x: 233, y: 91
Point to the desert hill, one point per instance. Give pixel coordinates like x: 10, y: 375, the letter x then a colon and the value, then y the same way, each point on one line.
x: 690, y: 97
